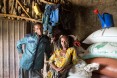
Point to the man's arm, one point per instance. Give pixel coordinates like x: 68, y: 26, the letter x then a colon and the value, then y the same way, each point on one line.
x: 20, y: 43
x: 48, y: 49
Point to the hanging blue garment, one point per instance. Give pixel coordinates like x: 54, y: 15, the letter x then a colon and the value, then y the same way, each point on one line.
x: 50, y: 17
x: 54, y: 17
x: 46, y: 15
x: 46, y: 18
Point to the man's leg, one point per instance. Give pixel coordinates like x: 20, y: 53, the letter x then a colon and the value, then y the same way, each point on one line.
x: 35, y: 74
x: 23, y: 73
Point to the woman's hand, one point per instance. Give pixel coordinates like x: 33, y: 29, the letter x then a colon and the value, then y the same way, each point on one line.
x: 59, y: 69
x: 62, y: 71
x: 56, y: 68
x: 66, y: 68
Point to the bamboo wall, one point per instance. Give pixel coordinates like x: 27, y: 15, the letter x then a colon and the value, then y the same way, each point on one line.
x: 10, y: 32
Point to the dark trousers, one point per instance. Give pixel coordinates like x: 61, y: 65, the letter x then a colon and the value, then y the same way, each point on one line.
x: 30, y: 73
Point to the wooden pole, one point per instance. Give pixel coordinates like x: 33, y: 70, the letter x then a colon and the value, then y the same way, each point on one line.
x: 25, y: 18
x: 5, y: 6
x: 46, y: 2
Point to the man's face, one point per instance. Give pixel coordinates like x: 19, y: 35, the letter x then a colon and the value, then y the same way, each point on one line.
x: 38, y: 29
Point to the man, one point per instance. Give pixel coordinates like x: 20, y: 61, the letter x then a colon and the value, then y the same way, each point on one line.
x: 32, y: 60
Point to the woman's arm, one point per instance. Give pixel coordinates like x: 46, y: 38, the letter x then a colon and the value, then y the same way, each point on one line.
x: 55, y: 68
x: 51, y: 62
x: 74, y: 61
x: 66, y: 68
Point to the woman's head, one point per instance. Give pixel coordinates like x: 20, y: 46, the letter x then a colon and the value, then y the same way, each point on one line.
x: 63, y: 41
x: 38, y: 28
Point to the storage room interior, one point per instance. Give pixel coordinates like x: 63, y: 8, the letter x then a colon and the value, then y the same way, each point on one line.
x: 18, y: 16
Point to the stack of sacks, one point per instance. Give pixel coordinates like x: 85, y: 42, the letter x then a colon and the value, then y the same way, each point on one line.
x: 82, y: 70
x: 103, y: 50
x: 102, y: 35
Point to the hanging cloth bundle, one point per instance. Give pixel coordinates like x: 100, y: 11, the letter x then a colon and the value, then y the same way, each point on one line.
x: 50, y: 17
x: 37, y: 9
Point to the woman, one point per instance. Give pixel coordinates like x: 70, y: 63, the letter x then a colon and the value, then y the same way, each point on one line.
x: 62, y: 59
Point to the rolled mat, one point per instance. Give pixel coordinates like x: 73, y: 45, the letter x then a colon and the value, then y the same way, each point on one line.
x: 108, y: 66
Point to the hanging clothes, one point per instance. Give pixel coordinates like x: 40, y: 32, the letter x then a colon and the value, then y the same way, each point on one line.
x: 45, y: 19
x: 50, y: 17
x: 54, y: 17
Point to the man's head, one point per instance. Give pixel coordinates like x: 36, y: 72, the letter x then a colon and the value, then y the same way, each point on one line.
x: 38, y: 28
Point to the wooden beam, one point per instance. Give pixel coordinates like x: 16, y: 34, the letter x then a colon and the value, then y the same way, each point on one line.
x: 20, y: 17
x: 46, y: 2
x: 23, y: 8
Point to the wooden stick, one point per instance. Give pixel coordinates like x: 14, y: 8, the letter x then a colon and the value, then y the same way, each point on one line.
x: 23, y: 8
x: 14, y: 16
x: 5, y: 7
x: 12, y: 6
x: 46, y: 2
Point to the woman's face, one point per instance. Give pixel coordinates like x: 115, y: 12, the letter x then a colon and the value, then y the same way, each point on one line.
x: 64, y: 42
